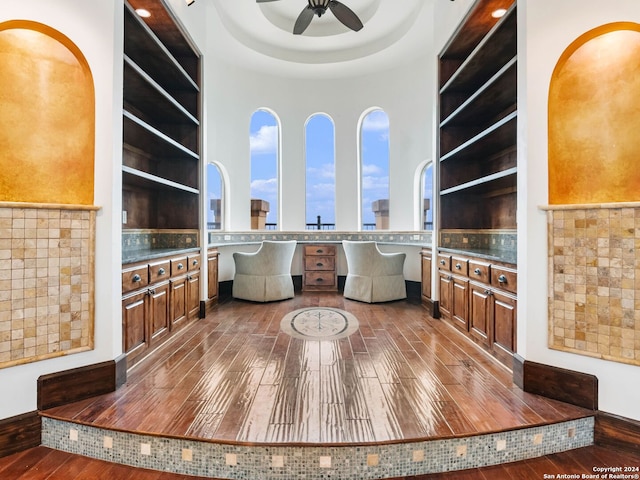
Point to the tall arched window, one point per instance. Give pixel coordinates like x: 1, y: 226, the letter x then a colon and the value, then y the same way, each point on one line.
x: 374, y: 170
x: 321, y: 178
x: 215, y: 191
x: 426, y: 206
x: 264, y: 139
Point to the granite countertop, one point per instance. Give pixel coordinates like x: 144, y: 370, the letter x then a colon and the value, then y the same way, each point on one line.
x: 486, y: 254
x: 153, y: 253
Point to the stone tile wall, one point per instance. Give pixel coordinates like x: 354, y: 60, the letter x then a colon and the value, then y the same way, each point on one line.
x: 46, y: 281
x: 594, y: 281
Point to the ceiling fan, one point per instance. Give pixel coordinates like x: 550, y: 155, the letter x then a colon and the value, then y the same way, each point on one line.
x: 317, y: 7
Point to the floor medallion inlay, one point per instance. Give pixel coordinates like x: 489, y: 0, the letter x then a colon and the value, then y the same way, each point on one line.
x: 319, y: 323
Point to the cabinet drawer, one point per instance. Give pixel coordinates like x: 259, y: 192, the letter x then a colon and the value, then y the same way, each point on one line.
x: 504, y: 278
x: 321, y: 250
x: 326, y: 279
x: 460, y: 266
x: 178, y: 266
x: 135, y: 277
x: 159, y: 271
x: 444, y: 261
x: 320, y: 263
x: 193, y: 262
x: 479, y: 271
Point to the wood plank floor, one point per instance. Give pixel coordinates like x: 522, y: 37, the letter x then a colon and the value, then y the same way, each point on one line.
x: 235, y: 376
x: 46, y: 464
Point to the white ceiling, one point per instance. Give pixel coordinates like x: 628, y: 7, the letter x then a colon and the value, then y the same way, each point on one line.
x: 258, y: 36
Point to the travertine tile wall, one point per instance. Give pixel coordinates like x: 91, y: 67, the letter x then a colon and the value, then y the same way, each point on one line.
x: 46, y: 281
x: 594, y: 281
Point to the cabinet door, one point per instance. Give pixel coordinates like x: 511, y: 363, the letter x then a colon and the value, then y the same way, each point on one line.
x: 135, y: 338
x: 446, y: 294
x: 178, y: 300
x: 460, y: 302
x: 212, y: 274
x: 479, y: 313
x: 426, y: 276
x: 504, y: 323
x: 193, y: 295
x: 159, y: 311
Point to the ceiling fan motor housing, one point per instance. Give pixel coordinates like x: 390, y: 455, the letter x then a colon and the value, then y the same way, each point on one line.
x: 319, y: 6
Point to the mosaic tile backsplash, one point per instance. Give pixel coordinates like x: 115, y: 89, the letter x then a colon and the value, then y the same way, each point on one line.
x: 594, y: 281
x: 46, y: 282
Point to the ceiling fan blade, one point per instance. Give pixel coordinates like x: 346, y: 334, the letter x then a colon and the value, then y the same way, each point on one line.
x: 303, y: 21
x: 265, y: 1
x: 345, y: 15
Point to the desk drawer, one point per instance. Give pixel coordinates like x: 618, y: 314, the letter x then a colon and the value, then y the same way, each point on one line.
x: 459, y: 265
x: 444, y: 261
x: 178, y: 266
x: 319, y: 278
x: 320, y: 250
x: 319, y: 263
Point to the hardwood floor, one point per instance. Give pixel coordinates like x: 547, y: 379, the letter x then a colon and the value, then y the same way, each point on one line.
x: 236, y: 377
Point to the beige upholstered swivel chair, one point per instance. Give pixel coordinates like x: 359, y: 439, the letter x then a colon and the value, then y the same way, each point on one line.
x: 373, y: 276
x: 265, y: 275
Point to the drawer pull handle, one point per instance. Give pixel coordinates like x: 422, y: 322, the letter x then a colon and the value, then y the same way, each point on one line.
x: 487, y: 292
x: 319, y: 264
x: 502, y: 279
x: 319, y: 280
x: 458, y: 266
x: 477, y: 271
x: 136, y: 278
x: 161, y: 271
x: 152, y: 291
x: 180, y: 266
x: 442, y: 262
x: 195, y: 262
x: 319, y: 250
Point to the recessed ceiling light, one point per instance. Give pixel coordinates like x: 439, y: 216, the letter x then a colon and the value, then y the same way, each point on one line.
x: 499, y: 12
x: 143, y: 13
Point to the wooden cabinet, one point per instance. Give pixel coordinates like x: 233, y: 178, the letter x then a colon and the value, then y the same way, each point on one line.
x: 161, y: 122
x: 426, y: 287
x: 155, y: 301
x: 479, y: 298
x: 319, y: 268
x: 212, y: 274
x: 478, y: 118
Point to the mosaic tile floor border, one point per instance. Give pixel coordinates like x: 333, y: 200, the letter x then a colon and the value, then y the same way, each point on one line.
x: 349, y: 462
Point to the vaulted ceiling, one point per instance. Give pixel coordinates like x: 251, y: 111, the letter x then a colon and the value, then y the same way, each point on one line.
x: 259, y: 36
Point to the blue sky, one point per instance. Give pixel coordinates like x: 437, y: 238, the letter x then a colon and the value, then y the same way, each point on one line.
x: 320, y: 153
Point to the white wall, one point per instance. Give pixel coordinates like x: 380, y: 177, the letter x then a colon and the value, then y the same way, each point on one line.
x: 546, y: 28
x: 235, y: 93
x: 95, y: 27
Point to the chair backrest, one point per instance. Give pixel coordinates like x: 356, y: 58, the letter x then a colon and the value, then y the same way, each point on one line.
x: 361, y: 257
x: 279, y: 256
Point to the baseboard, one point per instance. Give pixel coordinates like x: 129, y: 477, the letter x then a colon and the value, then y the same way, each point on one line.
x: 617, y: 432
x: 567, y: 386
x: 68, y: 386
x: 20, y: 433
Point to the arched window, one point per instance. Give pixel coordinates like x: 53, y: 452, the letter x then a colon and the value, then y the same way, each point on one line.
x: 426, y: 207
x: 321, y: 178
x: 215, y: 190
x: 374, y: 170
x: 264, y: 139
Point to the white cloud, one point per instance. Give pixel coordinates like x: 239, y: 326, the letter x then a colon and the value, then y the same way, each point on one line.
x: 369, y: 169
x: 376, y: 121
x: 264, y: 187
x: 264, y: 140
x: 325, y: 172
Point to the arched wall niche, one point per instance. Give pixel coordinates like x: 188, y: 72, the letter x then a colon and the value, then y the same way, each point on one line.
x: 594, y: 99
x: 47, y: 117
